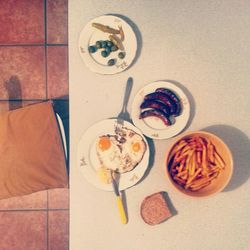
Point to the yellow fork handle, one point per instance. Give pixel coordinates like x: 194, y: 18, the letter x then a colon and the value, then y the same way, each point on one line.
x: 121, y: 210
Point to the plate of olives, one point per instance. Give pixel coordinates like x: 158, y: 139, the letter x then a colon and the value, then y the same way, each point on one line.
x: 107, y: 44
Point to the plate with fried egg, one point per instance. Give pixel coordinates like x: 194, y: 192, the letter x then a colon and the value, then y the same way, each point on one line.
x: 100, y: 150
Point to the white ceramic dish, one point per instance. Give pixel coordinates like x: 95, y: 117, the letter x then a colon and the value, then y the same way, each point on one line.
x: 153, y: 127
x: 89, y: 35
x: 62, y: 133
x: 88, y: 162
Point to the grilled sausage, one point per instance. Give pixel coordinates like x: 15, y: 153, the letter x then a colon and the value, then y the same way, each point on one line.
x: 164, y: 99
x: 154, y: 104
x: 173, y: 97
x: 157, y: 113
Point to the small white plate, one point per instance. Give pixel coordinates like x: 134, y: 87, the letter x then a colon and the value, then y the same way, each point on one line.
x: 89, y: 35
x: 88, y: 162
x: 153, y: 127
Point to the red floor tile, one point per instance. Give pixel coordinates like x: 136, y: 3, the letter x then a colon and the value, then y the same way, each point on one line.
x: 58, y: 230
x: 57, y: 71
x: 58, y: 198
x: 57, y: 21
x: 22, y: 72
x: 22, y: 22
x: 11, y: 105
x: 23, y: 230
x: 36, y: 200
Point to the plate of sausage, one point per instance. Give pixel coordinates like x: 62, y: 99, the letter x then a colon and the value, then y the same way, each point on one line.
x: 160, y: 110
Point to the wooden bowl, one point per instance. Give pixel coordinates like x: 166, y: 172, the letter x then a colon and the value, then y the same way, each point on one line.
x: 217, y: 184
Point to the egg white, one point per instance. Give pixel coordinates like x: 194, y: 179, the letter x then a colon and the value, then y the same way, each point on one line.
x: 120, y: 156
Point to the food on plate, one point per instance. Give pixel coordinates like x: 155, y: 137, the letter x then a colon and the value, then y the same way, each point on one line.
x: 116, y: 41
x: 104, y: 175
x: 111, y: 62
x: 157, y: 113
x: 162, y: 97
x: 104, y: 53
x: 155, y: 104
x: 92, y: 49
x: 105, y: 28
x: 163, y: 103
x: 120, y: 155
x: 154, y: 209
x: 121, y: 55
x: 195, y: 163
x: 114, y: 48
x: 108, y: 46
x: 173, y: 97
x: 121, y: 33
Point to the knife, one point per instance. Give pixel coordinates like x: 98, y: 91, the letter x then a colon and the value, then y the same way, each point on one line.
x: 118, y: 199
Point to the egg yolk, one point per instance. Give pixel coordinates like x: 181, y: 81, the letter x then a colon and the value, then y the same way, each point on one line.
x: 104, y: 143
x: 136, y: 147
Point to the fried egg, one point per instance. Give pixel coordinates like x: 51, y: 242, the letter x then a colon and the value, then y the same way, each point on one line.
x: 108, y: 152
x: 121, y: 156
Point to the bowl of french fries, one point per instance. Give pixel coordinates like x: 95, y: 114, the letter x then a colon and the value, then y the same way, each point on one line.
x: 199, y: 164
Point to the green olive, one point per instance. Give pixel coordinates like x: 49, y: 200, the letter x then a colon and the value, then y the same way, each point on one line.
x: 110, y: 44
x: 104, y: 53
x: 98, y: 44
x: 121, y: 55
x: 114, y: 48
x: 92, y: 49
x: 111, y: 62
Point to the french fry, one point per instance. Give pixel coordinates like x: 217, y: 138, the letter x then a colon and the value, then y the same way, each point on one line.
x: 179, y: 180
x: 182, y: 173
x: 121, y: 33
x: 105, y: 28
x: 198, y: 157
x: 196, y: 163
x: 194, y: 176
x: 219, y: 160
x: 196, y: 188
x: 180, y: 145
x: 211, y: 152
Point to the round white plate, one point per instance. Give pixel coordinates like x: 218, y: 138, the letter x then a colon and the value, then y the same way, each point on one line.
x: 89, y: 35
x: 153, y: 127
x: 88, y: 162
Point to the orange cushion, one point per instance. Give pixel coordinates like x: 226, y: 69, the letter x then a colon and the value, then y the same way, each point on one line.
x: 31, y: 151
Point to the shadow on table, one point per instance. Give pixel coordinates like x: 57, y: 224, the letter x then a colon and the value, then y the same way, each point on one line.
x: 239, y: 144
x: 151, y: 159
x: 169, y: 203
x: 137, y: 34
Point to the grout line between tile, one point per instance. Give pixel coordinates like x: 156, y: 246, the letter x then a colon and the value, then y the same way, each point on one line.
x: 45, y: 22
x: 33, y: 210
x: 22, y: 45
x: 20, y: 100
x: 33, y: 45
x: 47, y: 221
x: 46, y: 70
x: 57, y: 44
x: 46, y: 49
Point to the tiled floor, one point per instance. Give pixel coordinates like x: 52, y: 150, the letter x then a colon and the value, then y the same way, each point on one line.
x: 33, y: 68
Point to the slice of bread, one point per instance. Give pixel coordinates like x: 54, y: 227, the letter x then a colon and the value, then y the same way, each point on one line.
x: 154, y: 209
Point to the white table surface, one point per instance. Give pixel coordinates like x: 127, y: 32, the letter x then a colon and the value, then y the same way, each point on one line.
x: 205, y: 47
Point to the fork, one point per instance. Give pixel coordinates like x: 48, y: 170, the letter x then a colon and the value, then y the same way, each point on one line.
x: 123, y: 115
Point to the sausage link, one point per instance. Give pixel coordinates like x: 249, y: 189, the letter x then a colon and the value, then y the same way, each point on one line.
x: 157, y: 113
